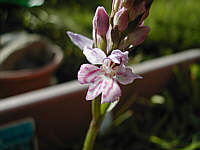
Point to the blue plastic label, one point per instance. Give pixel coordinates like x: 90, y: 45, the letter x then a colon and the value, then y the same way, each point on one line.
x: 18, y: 135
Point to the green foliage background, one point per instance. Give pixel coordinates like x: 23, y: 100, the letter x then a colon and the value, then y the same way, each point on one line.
x: 174, y: 26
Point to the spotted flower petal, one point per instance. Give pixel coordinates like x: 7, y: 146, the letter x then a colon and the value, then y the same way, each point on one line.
x: 80, y: 40
x: 127, y: 77
x: 111, y: 91
x: 94, y: 55
x: 88, y: 74
x: 95, y: 89
x: 119, y: 57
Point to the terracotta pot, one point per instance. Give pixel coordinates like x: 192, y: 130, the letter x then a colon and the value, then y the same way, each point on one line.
x: 19, y: 68
x: 61, y: 112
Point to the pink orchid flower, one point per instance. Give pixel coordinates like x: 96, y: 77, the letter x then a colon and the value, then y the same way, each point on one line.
x: 104, y: 74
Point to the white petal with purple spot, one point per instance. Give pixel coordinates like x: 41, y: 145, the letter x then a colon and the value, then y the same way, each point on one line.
x: 111, y: 91
x: 94, y: 90
x: 88, y: 74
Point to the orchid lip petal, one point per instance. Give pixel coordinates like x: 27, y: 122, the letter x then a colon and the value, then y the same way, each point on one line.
x: 80, y: 40
x: 94, y: 90
x: 111, y: 91
x: 94, y: 55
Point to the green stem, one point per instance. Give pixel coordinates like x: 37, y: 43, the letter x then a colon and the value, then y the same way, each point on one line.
x: 91, y: 136
x: 96, y: 104
x: 94, y: 125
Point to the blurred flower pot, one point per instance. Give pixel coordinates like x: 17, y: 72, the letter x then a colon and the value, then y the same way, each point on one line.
x: 61, y: 112
x: 27, y: 62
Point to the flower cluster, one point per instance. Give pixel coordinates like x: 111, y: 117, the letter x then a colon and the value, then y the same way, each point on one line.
x: 108, y: 51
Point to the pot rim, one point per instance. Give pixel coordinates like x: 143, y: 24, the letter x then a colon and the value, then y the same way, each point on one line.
x: 24, y: 74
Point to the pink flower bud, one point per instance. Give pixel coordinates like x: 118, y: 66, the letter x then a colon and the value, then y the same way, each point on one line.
x: 128, y: 3
x: 121, y: 19
x: 146, y: 14
x: 137, y: 10
x: 135, y: 38
x: 115, y: 7
x: 139, y: 35
x: 101, y: 21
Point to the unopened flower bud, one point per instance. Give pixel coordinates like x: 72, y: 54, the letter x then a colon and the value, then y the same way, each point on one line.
x: 135, y: 38
x: 121, y: 19
x: 137, y: 10
x: 115, y: 5
x: 128, y: 3
x: 101, y: 21
x: 146, y: 14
